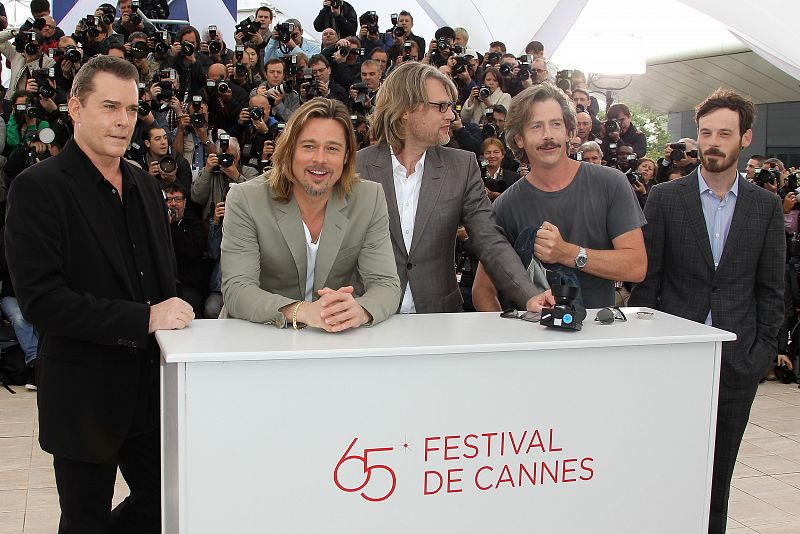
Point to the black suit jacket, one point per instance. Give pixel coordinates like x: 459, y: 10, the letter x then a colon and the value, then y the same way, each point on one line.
x: 70, y: 278
x: 744, y: 293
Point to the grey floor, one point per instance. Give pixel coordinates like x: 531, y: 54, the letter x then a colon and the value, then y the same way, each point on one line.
x: 765, y: 496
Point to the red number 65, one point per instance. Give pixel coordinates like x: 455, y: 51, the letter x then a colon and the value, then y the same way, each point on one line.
x: 368, y: 471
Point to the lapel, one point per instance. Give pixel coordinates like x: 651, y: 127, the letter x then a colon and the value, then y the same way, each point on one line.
x: 428, y: 193
x: 380, y: 170
x: 291, y: 226
x: 333, y: 231
x: 693, y: 210
x: 81, y: 174
x: 741, y: 214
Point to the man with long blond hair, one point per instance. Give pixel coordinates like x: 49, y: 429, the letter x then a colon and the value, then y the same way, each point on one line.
x: 294, y: 238
x: 431, y: 191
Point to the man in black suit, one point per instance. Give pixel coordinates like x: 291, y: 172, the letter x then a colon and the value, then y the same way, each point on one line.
x: 89, y: 251
x: 715, y: 251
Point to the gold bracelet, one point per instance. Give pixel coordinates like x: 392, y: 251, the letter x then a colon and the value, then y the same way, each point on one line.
x: 295, y: 324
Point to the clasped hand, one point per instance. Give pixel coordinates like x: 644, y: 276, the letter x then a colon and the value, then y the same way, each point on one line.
x: 334, y: 311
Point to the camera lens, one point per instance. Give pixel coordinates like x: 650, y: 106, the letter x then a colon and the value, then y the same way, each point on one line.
x: 187, y: 48
x: 344, y: 50
x: 398, y: 31
x: 108, y: 18
x: 225, y: 160
x: 139, y: 49
x: 505, y: 69
x: 73, y: 55
x: 241, y: 70
x: 162, y: 49
x: 215, y: 47
x: 45, y: 91
x: 256, y: 113
x: 144, y: 108
x: 32, y: 48
x: 136, y: 19
x: 167, y: 164
x: 223, y: 88
x: 198, y: 120
x: 484, y: 92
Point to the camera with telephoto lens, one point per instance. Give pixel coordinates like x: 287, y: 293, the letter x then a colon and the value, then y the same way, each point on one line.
x: 505, y: 70
x: 214, y: 46
x: 139, y: 50
x: 240, y: 71
x: 565, y: 314
x: 564, y: 81
x: 407, y: 52
x: 442, y: 45
x: 218, y: 87
x: 187, y: 48
x: 136, y: 18
x: 524, y: 72
x: 766, y: 175
x: 611, y: 126
x: 371, y: 21
x: 343, y: 50
x: 161, y: 47
x: 285, y: 31
x: 484, y: 92
x: 493, y: 58
x: 249, y: 26
x: 108, y: 15
x: 73, y: 54
x: 41, y: 77
x: 461, y: 66
x: 225, y: 160
x: 398, y: 31
x: 165, y: 83
x: 198, y: 120
x: 168, y: 164
x: 489, y: 129
x: 362, y: 90
x: 26, y: 42
x: 679, y: 152
x: 90, y: 24
x: 256, y: 113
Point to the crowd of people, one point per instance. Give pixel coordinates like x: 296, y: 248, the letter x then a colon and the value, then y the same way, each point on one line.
x: 242, y: 183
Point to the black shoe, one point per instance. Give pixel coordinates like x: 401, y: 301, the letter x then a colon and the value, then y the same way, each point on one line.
x: 30, y: 383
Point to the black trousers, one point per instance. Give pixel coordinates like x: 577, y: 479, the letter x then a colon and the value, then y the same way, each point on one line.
x: 733, y: 411
x: 85, y: 491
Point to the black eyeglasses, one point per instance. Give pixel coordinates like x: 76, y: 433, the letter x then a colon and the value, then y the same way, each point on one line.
x: 531, y: 317
x: 443, y: 106
x: 609, y: 315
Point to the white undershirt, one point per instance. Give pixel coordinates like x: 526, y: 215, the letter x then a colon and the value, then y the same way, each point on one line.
x: 407, y: 191
x: 311, y: 262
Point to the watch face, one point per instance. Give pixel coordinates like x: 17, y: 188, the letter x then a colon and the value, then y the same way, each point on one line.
x: 580, y: 261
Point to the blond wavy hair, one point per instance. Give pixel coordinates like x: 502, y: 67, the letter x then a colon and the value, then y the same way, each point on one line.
x: 404, y: 90
x: 281, y: 177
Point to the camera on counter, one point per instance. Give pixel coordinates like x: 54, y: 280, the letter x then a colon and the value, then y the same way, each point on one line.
x: 566, y: 314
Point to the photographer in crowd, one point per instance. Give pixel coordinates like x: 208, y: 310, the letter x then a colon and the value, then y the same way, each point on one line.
x: 681, y: 157
x: 618, y: 128
x: 338, y: 15
x: 489, y: 94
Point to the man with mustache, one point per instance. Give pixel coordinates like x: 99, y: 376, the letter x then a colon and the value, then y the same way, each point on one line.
x: 582, y: 221
x: 715, y: 248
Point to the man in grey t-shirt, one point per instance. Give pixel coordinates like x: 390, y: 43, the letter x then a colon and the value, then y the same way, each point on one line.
x: 583, y: 218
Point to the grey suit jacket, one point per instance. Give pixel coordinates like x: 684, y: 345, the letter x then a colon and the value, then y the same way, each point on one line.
x: 744, y: 293
x: 451, y: 194
x: 263, y: 256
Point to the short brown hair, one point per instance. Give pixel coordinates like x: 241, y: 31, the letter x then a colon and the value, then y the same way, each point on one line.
x: 490, y: 141
x: 281, y: 177
x: 83, y: 84
x: 727, y: 99
x: 619, y: 107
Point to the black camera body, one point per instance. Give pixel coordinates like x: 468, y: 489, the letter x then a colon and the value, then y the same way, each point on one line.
x: 187, y: 48
x: 250, y: 26
x: 198, y: 120
x: 218, y: 87
x: 285, y: 30
x: 461, y: 66
x: 679, y: 152
x: 766, y: 175
x: 565, y: 314
x: 168, y: 164
x: 612, y: 126
x: 505, y: 70
x: 167, y: 90
x: 312, y: 89
x: 256, y: 113
x: 484, y: 92
x: 26, y: 42
x: 42, y: 77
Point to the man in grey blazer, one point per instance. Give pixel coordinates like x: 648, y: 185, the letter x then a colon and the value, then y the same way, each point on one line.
x: 292, y: 240
x: 430, y: 191
x: 715, y: 251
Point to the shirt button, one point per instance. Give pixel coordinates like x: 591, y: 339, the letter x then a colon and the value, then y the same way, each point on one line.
x: 406, y: 232
x: 148, y: 302
x: 114, y: 191
x: 141, y: 273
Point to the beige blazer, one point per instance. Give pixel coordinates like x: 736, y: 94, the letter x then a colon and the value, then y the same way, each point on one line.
x: 264, y: 252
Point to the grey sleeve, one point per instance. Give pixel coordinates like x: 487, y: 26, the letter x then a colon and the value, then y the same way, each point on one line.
x: 623, y: 209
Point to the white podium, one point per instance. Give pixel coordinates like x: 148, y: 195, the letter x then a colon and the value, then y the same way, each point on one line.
x: 465, y: 423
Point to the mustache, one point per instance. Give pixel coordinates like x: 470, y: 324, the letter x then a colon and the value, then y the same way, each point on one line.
x: 551, y: 144
x: 714, y: 152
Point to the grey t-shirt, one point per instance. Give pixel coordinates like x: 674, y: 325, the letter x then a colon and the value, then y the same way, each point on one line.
x: 596, y: 207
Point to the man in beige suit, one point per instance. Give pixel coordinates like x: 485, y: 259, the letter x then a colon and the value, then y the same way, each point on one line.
x: 430, y: 191
x: 293, y: 238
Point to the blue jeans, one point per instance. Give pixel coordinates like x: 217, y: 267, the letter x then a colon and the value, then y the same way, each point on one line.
x: 26, y: 334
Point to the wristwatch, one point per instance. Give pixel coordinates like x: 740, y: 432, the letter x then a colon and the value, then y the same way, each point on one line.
x: 580, y: 259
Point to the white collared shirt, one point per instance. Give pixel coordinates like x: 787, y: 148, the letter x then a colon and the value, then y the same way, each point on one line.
x: 407, y: 191
x: 311, y: 262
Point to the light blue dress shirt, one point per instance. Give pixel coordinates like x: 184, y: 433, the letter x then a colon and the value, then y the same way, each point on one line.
x: 718, y: 215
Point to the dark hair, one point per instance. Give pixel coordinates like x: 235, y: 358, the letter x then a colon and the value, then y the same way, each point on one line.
x: 148, y: 130
x: 38, y: 6
x: 319, y: 58
x: 137, y: 35
x: 362, y: 19
x: 584, y: 91
x: 174, y: 187
x: 727, y: 99
x: 499, y: 108
x: 27, y: 94
x: 496, y: 72
x: 117, y: 46
x: 188, y: 29
x: 758, y: 157
x: 499, y: 44
x: 265, y: 8
x: 405, y: 13
x: 83, y: 84
x: 534, y: 47
x: 275, y: 61
x: 619, y: 107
